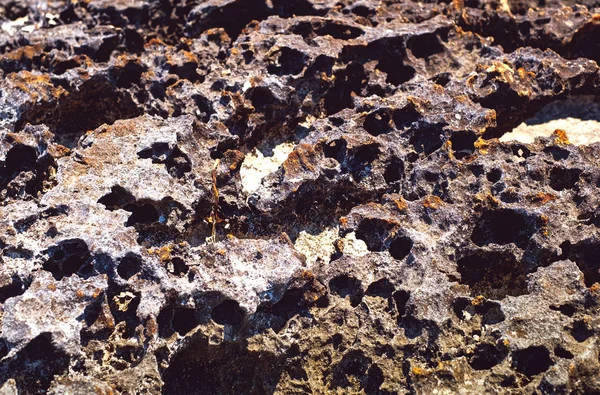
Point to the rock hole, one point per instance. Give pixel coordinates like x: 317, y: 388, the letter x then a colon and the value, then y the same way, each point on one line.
x: 117, y: 198
x: 16, y: 287
x: 143, y: 213
x: 339, y: 97
x: 287, y: 61
x: 187, y: 71
x: 561, y: 178
x: 158, y: 152
x: 336, y: 340
x: 494, y: 175
x: 405, y: 116
x: 585, y: 254
x: 261, y: 98
x: 580, y: 331
x: 338, y: 31
x: 463, y: 144
x: 67, y: 258
x: 177, y: 266
x: 382, y: 288
x: 354, y: 363
x: 164, y: 319
x: 18, y: 159
x: 228, y: 312
x: 532, y: 360
x: 178, y: 163
x: 335, y: 149
x: 425, y: 45
x: 362, y: 10
x: 375, y: 379
x: 400, y: 247
x: 426, y: 138
x: 359, y: 162
x: 505, y: 226
x: 563, y: 353
x: 397, y: 72
x: 374, y: 232
x: 232, y: 17
x: 13, y: 10
x: 394, y: 172
x: 460, y: 305
x: 129, y: 266
x: 565, y: 309
x: 34, y: 367
x: 184, y: 320
x: 492, y: 312
x: 321, y: 27
x: 347, y: 286
x: 205, y: 107
x: 203, y: 368
x: 401, y: 299
x: 377, y: 122
x: 521, y: 151
x: 75, y: 114
x: 494, y: 275
x: 557, y: 152
x: 442, y: 79
x: 129, y: 75
x: 486, y: 356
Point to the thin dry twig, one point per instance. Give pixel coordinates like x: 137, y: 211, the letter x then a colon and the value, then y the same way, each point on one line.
x: 214, y: 216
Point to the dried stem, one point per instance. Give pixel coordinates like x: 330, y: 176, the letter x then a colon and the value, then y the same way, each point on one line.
x: 214, y: 216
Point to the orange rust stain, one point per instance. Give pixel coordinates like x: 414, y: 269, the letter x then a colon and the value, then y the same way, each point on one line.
x: 58, y: 151
x: 478, y: 300
x: 401, y: 204
x: 307, y: 274
x: 38, y: 86
x: 190, y: 57
x: 27, y: 52
x: 303, y: 158
x: 163, y: 253
x: 542, y: 198
x: 560, y: 137
x: 482, y: 145
x: 234, y: 158
x: 154, y: 42
x: 432, y: 202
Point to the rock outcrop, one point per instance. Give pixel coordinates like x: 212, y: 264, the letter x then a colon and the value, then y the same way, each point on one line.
x: 298, y: 196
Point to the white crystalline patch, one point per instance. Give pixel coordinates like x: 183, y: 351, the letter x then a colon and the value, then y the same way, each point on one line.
x: 12, y: 27
x: 579, y: 132
x: 578, y: 116
x: 315, y: 247
x: 354, y: 247
x: 256, y: 166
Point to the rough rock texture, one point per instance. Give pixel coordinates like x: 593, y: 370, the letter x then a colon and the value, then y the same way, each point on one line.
x: 299, y: 196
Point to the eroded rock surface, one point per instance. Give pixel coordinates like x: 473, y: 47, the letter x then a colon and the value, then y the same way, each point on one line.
x: 300, y: 196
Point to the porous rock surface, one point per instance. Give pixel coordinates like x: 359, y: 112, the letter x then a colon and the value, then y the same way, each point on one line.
x: 299, y: 196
